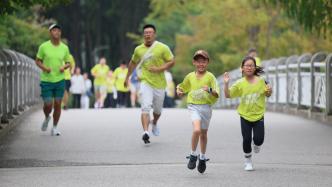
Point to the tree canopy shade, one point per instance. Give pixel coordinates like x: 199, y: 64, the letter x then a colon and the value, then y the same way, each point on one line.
x: 314, y: 15
x: 9, y: 6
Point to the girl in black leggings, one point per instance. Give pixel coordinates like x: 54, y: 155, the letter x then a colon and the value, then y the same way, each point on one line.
x: 252, y: 91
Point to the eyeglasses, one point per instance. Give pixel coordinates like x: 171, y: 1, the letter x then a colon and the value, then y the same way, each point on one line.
x: 249, y: 66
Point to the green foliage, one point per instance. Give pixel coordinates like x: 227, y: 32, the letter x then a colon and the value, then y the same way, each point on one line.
x: 21, y: 36
x: 314, y: 15
x: 10, y: 6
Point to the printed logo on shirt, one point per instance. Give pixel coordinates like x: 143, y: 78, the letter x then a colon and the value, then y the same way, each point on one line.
x: 198, y: 94
x: 250, y: 99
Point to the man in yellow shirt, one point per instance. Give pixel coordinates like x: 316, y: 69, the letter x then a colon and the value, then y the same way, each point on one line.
x: 68, y: 72
x: 119, y: 75
x: 151, y: 58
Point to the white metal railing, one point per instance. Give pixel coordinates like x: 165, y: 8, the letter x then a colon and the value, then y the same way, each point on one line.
x: 19, y: 83
x: 302, y: 82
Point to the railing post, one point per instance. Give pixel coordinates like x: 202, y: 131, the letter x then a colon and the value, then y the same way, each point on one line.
x: 304, y: 58
x: 4, y: 117
x: 318, y: 57
x: 328, y: 85
x: 10, y: 85
x: 14, y: 77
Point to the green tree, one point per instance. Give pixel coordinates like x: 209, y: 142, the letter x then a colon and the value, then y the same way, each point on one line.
x: 10, y: 6
x: 314, y: 15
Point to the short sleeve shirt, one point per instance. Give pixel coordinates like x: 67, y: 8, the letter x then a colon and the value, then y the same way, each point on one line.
x: 53, y: 57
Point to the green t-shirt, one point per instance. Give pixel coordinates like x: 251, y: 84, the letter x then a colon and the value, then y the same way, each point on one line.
x: 120, y: 77
x: 194, y: 87
x: 159, y: 55
x: 68, y: 70
x: 53, y: 57
x: 252, y: 98
x: 101, y: 72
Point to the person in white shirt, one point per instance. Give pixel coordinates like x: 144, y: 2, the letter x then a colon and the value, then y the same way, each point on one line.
x: 77, y: 87
x: 85, y: 99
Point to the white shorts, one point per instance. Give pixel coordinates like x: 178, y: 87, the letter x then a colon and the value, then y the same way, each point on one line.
x: 101, y: 89
x: 151, y: 98
x: 202, y: 113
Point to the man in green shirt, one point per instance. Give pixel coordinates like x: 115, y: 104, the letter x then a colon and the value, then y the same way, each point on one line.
x: 50, y: 59
x: 151, y: 58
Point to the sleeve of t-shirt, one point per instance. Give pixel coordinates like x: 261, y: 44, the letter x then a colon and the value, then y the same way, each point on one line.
x: 93, y: 70
x: 135, y: 58
x: 72, y: 61
x: 40, y: 54
x: 115, y: 73
x: 185, y: 85
x: 215, y: 85
x: 235, y: 90
x: 167, y: 54
x: 67, y: 55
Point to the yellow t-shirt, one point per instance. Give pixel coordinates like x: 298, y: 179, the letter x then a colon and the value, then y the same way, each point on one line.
x: 101, y: 72
x: 252, y: 103
x: 68, y: 70
x: 194, y: 87
x: 119, y: 75
x: 258, y: 61
x: 159, y: 55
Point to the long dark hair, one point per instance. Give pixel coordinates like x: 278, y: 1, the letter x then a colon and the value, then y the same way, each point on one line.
x: 258, y: 69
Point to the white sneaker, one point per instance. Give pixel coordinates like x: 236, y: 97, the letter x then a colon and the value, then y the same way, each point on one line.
x: 55, y: 132
x: 256, y: 148
x: 248, y: 165
x: 155, y: 130
x: 45, y: 123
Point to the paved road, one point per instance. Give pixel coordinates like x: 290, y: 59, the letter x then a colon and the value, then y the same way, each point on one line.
x: 104, y: 148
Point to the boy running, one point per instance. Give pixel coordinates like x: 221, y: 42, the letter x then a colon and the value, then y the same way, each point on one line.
x: 203, y: 92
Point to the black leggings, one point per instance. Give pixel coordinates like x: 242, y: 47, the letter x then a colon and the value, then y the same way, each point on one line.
x: 248, y: 128
x: 123, y: 99
x: 76, y: 100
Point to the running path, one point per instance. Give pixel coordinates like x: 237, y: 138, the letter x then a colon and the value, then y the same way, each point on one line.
x: 104, y: 148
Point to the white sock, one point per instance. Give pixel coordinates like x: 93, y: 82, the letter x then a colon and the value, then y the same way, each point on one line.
x: 146, y: 132
x: 193, y: 153
x: 202, y: 156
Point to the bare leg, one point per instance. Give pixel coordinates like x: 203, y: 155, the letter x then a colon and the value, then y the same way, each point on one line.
x: 65, y: 99
x: 145, y: 118
x: 196, y: 134
x: 203, y: 140
x: 155, y: 118
x: 47, y: 108
x: 133, y: 99
x: 57, y: 112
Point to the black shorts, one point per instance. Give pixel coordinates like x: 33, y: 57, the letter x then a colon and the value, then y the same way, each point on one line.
x: 67, y: 85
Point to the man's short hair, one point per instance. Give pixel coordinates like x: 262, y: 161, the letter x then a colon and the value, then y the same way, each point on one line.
x: 149, y: 26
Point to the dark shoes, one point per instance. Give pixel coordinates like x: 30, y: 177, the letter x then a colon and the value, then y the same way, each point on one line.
x: 146, y: 138
x: 192, y: 161
x: 201, y: 163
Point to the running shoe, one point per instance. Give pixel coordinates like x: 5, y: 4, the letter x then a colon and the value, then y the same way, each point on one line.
x: 45, y: 123
x: 192, y: 161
